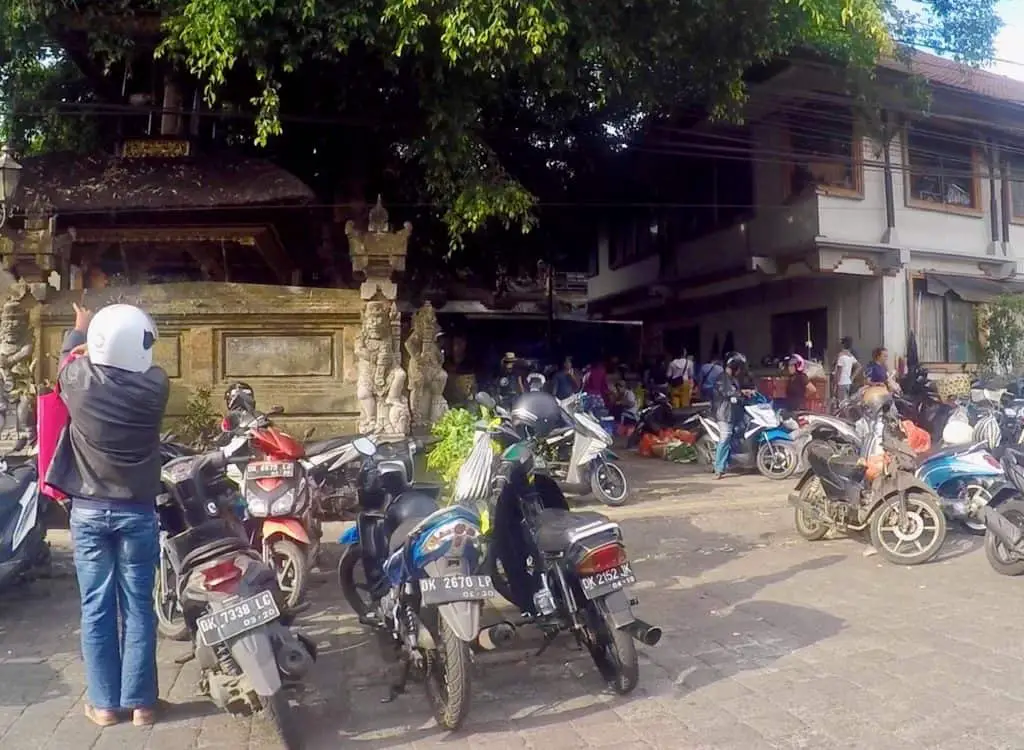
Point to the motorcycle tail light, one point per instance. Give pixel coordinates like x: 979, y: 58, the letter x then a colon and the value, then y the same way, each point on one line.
x: 802, y: 421
x: 222, y: 577
x: 990, y: 459
x: 602, y: 558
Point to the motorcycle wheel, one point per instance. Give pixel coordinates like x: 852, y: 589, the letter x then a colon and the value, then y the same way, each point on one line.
x: 925, y: 520
x: 613, y: 652
x: 776, y: 461
x: 291, y: 565
x: 279, y: 712
x: 1004, y: 561
x: 810, y: 528
x: 608, y: 483
x: 706, y: 448
x: 352, y: 579
x: 448, y: 678
x: 170, y: 620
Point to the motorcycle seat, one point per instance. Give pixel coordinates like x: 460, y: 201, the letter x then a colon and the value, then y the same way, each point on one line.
x: 554, y: 527
x: 13, y: 484
x: 949, y: 451
x: 316, y: 447
x: 405, y: 513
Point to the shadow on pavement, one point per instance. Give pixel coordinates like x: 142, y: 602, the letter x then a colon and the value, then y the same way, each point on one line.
x: 29, y: 680
x: 718, y: 633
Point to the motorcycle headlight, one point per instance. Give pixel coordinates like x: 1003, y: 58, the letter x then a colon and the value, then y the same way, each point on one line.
x: 257, y: 506
x: 283, y: 505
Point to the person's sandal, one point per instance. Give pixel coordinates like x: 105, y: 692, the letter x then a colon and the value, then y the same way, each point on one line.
x: 144, y: 717
x: 100, y: 717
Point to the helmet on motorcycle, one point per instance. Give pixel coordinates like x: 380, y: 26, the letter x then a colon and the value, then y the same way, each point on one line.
x: 799, y: 365
x: 122, y: 336
x: 240, y: 397
x: 957, y: 432
x: 876, y: 398
x: 736, y: 362
x: 987, y: 431
x: 539, y: 411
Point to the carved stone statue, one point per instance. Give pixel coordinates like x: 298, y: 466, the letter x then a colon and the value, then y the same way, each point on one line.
x: 380, y: 384
x: 17, y: 368
x: 427, y: 376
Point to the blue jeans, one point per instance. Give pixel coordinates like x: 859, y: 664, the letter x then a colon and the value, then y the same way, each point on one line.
x: 116, y: 554
x: 724, y: 448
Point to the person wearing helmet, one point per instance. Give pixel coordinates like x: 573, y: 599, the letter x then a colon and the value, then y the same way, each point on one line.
x: 108, y: 462
x: 726, y: 405
x: 799, y: 387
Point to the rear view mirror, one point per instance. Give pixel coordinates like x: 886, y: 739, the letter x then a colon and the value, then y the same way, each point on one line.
x: 364, y: 446
x: 485, y: 399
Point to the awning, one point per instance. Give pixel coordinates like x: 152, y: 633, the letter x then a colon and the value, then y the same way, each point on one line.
x: 971, y: 288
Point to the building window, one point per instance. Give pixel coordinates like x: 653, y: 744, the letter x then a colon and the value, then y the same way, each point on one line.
x: 943, y: 172
x: 826, y: 153
x: 946, y: 329
x: 631, y: 240
x: 1016, y: 180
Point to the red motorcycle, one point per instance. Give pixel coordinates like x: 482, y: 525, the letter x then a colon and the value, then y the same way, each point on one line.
x: 279, y: 498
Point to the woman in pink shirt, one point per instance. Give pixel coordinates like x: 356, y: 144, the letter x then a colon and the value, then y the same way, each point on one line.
x: 596, y: 382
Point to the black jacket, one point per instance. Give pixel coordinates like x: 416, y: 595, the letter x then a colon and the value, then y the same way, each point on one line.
x: 726, y: 397
x: 111, y: 448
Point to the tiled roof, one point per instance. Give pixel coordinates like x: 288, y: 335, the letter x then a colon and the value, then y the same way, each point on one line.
x: 944, y: 72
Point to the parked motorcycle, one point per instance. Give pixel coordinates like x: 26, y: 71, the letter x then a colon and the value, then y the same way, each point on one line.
x: 233, y: 608
x: 965, y: 477
x: 843, y: 492
x: 1003, y: 517
x: 579, y: 570
x: 760, y: 442
x: 578, y: 457
x: 426, y: 592
x: 24, y: 551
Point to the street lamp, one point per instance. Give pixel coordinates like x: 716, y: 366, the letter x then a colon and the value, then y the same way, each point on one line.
x: 10, y: 176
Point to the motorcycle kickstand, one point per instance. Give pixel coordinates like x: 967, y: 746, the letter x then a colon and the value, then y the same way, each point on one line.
x: 549, y: 638
x: 397, y: 688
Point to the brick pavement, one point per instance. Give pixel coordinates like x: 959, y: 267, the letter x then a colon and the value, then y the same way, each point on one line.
x: 770, y: 642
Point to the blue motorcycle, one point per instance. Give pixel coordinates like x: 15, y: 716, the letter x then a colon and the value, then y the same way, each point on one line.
x: 760, y: 441
x: 424, y: 593
x: 965, y: 477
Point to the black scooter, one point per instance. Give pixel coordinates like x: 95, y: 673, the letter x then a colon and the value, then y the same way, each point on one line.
x: 24, y: 551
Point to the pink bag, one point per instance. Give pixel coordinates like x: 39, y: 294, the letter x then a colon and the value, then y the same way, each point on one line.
x: 51, y: 420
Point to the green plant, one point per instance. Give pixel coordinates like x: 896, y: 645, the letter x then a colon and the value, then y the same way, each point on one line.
x: 455, y: 440
x: 201, y: 423
x: 1001, y: 323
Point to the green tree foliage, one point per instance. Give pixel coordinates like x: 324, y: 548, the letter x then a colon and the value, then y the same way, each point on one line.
x: 467, y: 91
x: 1001, y: 323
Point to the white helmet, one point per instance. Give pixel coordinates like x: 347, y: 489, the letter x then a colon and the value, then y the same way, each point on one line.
x: 957, y: 432
x: 122, y: 336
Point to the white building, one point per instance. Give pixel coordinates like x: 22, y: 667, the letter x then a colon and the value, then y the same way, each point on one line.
x: 841, y: 238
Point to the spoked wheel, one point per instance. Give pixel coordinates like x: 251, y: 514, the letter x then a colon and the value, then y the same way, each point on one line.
x: 776, y: 460
x: 705, y: 448
x: 918, y: 539
x: 448, y: 678
x: 612, y: 650
x: 1004, y: 560
x: 169, y: 617
x: 291, y: 565
x: 352, y: 578
x: 608, y: 483
x: 977, y: 497
x: 809, y: 526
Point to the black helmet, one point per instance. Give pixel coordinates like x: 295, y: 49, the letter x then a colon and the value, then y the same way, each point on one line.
x: 737, y: 361
x: 539, y: 411
x: 240, y: 397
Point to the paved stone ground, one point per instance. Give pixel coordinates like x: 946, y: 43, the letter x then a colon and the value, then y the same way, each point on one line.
x: 770, y: 642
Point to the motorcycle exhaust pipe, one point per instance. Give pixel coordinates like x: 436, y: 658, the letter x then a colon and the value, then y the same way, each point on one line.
x: 1006, y: 531
x: 647, y: 634
x: 496, y: 636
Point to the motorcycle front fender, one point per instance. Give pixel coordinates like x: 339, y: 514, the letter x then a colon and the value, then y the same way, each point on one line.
x: 463, y: 618
x: 254, y: 655
x: 289, y: 528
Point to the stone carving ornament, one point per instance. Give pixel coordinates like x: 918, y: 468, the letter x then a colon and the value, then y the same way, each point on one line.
x: 381, y: 381
x: 427, y: 376
x: 17, y: 366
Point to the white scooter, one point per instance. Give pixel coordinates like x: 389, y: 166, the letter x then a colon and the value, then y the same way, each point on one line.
x: 580, y: 460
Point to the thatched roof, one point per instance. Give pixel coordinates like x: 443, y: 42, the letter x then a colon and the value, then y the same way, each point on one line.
x: 100, y: 182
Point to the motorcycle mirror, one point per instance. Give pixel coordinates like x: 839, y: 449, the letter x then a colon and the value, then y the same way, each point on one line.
x: 364, y: 446
x: 485, y: 399
x: 275, y: 410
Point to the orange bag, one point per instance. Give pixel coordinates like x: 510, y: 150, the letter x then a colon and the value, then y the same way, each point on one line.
x: 918, y: 439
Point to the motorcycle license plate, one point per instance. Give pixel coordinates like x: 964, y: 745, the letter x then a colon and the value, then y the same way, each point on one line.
x: 270, y: 470
x: 607, y: 581
x: 239, y: 618
x: 456, y: 589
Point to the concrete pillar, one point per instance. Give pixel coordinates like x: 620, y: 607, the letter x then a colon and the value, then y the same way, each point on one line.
x: 895, y: 319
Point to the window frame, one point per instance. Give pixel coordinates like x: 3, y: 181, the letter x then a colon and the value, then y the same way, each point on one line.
x: 976, y: 211
x: 1008, y: 161
x: 832, y: 191
x: 919, y: 290
x: 637, y: 227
